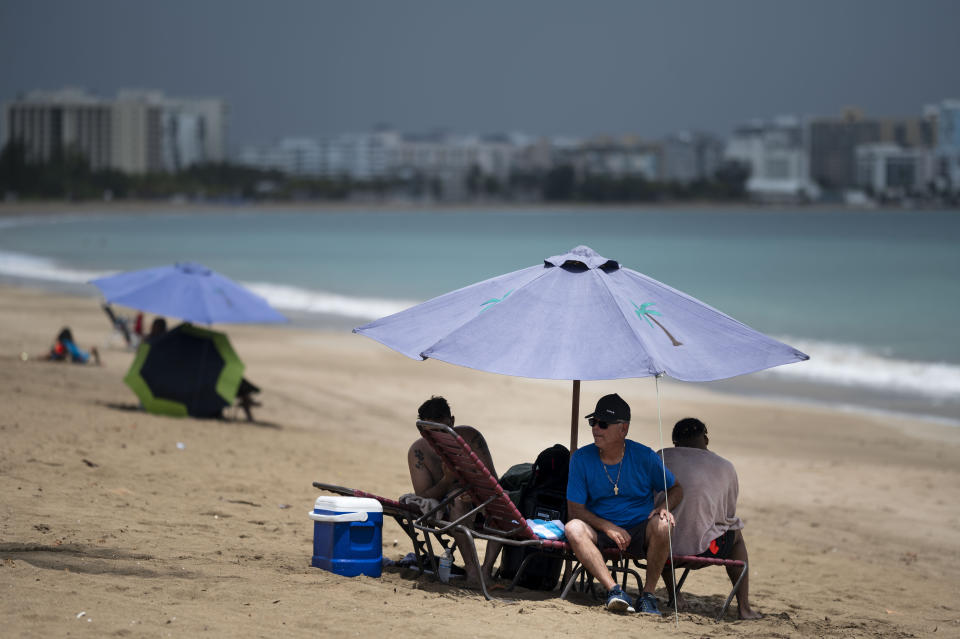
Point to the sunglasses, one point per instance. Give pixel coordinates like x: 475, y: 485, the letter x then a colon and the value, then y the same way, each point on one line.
x: 600, y: 423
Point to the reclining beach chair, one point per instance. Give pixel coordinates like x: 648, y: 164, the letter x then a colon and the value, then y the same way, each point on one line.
x: 405, y: 515
x: 121, y: 325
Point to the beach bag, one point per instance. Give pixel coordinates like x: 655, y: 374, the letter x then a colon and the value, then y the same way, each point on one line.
x: 543, y: 497
x: 516, y: 477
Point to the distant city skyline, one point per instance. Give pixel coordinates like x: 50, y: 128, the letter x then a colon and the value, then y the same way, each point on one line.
x: 540, y: 67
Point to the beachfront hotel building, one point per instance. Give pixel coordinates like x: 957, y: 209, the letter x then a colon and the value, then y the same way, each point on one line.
x: 139, y: 131
x: 48, y: 122
x: 689, y: 156
x: 775, y: 152
x: 834, y: 140
x: 891, y: 171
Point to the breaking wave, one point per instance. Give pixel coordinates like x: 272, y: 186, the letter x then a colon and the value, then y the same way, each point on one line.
x: 856, y: 366
x: 41, y: 268
x: 299, y: 299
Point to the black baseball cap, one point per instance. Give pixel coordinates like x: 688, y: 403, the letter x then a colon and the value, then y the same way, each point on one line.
x: 611, y: 408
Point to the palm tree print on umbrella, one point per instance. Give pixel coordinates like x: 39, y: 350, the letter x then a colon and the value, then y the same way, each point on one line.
x: 495, y: 300
x: 644, y: 311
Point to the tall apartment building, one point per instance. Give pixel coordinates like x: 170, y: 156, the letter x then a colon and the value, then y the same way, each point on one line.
x: 137, y: 132
x: 834, y: 140
x: 49, y: 123
x: 890, y: 170
x: 776, y: 154
x: 687, y: 156
x: 137, y: 140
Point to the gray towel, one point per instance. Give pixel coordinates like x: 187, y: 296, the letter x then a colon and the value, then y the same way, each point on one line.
x: 425, y: 504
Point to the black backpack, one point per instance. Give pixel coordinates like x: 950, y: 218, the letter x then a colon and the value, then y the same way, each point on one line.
x: 543, y: 497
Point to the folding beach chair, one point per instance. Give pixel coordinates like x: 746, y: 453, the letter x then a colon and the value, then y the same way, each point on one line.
x: 687, y: 563
x: 692, y: 562
x: 405, y: 515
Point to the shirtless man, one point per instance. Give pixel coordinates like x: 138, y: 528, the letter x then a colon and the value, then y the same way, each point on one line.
x: 432, y: 480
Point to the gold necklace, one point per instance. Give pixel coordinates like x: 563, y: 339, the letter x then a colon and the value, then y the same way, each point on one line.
x: 616, y: 488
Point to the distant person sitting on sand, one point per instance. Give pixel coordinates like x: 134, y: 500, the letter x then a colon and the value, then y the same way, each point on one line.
x: 65, y: 348
x: 707, y: 522
x: 157, y: 328
x: 432, y: 480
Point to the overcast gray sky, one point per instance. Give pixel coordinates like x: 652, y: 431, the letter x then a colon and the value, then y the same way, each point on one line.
x: 540, y: 66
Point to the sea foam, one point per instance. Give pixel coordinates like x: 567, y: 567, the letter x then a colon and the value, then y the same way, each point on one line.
x: 42, y: 268
x: 856, y: 366
x: 294, y: 298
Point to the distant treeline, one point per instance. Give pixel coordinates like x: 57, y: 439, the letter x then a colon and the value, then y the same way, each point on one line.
x: 69, y: 176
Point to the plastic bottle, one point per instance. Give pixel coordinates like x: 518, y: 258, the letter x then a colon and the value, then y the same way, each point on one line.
x: 446, y: 562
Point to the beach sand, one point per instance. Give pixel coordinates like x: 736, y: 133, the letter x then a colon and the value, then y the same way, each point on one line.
x: 851, y: 519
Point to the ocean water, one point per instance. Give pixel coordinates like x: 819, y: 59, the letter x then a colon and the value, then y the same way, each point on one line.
x: 873, y: 296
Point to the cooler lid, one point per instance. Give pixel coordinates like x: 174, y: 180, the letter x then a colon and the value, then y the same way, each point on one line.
x: 337, y: 504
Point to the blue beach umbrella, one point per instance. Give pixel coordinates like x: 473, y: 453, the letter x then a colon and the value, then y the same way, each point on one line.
x: 189, y: 291
x: 580, y: 316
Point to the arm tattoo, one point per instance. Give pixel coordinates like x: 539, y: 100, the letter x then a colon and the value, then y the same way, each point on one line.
x: 419, y: 455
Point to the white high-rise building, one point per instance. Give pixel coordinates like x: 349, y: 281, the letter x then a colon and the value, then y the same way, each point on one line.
x: 157, y: 133
x: 137, y: 132
x: 689, y: 156
x: 51, y: 123
x: 890, y: 170
x: 776, y: 154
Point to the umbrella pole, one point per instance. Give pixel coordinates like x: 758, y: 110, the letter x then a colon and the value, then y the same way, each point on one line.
x: 574, y: 411
x: 666, y: 503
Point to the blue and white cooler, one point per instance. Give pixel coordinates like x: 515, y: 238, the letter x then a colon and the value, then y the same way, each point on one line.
x: 347, y: 533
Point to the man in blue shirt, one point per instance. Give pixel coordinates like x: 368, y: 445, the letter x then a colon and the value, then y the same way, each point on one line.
x: 610, y: 501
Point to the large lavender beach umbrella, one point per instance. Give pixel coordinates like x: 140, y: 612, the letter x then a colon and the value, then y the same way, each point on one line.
x: 580, y: 316
x: 189, y: 291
